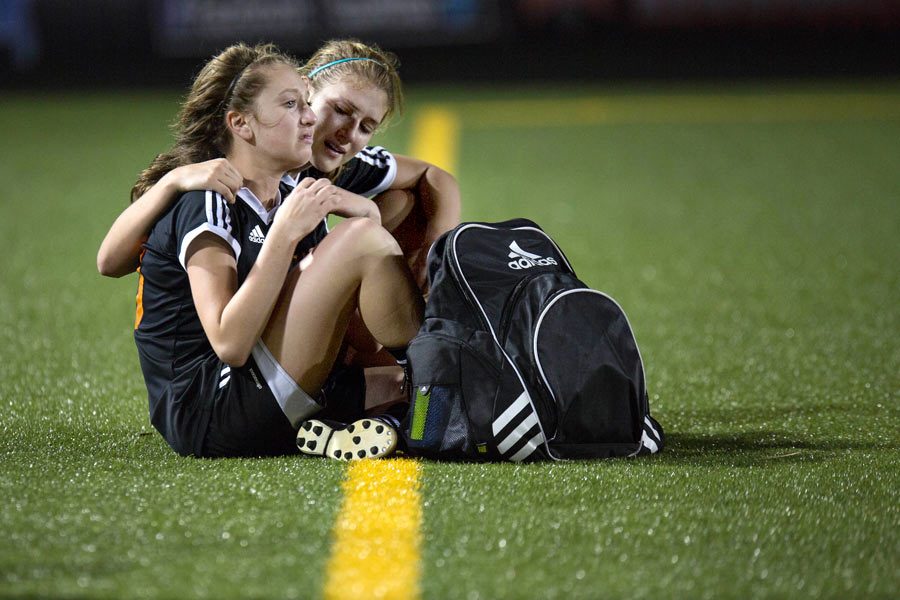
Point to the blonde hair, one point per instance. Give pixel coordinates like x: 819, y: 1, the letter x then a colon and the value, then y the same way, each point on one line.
x: 230, y: 80
x: 368, y: 63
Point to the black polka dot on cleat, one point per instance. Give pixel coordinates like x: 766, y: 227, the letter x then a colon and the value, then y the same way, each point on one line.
x: 379, y: 428
x: 317, y: 430
x: 307, y: 426
x: 301, y: 442
x: 373, y: 450
x: 348, y: 455
x: 337, y: 453
x: 361, y: 454
x: 351, y: 427
x: 366, y: 424
x: 311, y: 444
x: 356, y: 439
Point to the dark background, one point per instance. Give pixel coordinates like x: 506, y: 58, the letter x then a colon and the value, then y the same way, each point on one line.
x: 161, y: 43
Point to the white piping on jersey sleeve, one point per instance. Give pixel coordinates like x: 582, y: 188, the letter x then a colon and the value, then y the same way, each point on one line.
x: 218, y: 222
x: 379, y: 157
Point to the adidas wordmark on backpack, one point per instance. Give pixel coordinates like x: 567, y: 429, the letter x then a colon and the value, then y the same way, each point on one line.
x: 518, y: 359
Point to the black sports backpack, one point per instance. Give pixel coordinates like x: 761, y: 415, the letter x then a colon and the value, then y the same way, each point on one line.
x: 518, y: 359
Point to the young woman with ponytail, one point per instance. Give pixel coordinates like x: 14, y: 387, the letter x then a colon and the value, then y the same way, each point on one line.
x: 235, y: 338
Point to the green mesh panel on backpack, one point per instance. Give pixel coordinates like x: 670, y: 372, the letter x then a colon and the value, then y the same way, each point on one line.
x: 420, y: 413
x: 438, y: 422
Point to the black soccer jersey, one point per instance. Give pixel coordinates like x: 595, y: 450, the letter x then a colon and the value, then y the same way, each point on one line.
x: 172, y: 346
x: 369, y: 173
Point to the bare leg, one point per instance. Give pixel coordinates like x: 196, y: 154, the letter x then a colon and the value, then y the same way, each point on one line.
x: 358, y: 265
x: 395, y: 206
x: 403, y: 217
x: 359, y: 340
x: 384, y: 388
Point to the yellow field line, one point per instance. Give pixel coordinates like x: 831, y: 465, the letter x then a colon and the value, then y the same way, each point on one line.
x: 377, y: 534
x: 376, y: 547
x: 435, y: 137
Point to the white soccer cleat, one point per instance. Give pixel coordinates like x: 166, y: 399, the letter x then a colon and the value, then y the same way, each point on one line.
x: 365, y: 438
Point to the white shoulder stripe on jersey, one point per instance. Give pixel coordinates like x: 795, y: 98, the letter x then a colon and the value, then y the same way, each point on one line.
x: 386, y: 159
x: 227, y: 216
x: 218, y: 213
x: 375, y: 161
x: 220, y: 208
x: 375, y: 152
x: 209, y: 209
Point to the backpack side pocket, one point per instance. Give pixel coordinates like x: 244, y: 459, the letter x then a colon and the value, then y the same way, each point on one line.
x: 446, y: 408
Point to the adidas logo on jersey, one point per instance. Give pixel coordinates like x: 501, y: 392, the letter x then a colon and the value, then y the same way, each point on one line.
x: 257, y: 235
x: 526, y: 260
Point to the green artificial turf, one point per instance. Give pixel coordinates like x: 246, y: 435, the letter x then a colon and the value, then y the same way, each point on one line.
x: 751, y: 236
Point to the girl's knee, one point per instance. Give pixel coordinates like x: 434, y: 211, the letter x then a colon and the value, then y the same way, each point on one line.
x: 362, y: 236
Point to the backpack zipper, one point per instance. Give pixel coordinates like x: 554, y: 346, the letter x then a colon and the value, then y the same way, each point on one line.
x: 512, y: 301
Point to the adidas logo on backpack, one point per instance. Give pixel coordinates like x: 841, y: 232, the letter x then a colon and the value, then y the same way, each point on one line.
x: 526, y: 260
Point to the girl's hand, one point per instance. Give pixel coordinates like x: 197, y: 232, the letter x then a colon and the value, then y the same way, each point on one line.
x: 304, y: 208
x: 217, y: 175
x: 348, y: 204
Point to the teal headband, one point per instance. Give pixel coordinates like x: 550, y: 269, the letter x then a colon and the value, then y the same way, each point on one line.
x: 317, y: 70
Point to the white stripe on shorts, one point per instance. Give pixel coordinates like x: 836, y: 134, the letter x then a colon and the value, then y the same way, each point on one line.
x: 296, y: 404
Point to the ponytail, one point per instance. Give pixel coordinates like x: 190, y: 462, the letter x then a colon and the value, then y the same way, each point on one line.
x: 230, y: 80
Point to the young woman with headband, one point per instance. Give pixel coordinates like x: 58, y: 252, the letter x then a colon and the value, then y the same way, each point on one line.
x: 356, y: 90
x: 235, y: 339
x: 351, y: 84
